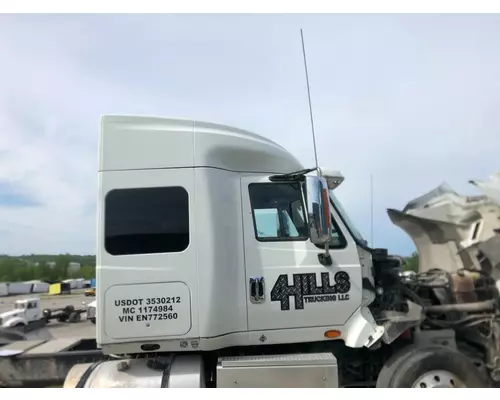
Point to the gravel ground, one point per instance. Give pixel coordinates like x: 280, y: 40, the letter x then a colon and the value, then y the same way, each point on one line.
x: 56, y: 330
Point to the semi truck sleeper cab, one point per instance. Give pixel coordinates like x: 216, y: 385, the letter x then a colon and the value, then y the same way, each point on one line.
x: 223, y: 262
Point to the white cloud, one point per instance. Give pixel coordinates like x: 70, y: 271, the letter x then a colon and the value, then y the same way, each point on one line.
x: 409, y: 99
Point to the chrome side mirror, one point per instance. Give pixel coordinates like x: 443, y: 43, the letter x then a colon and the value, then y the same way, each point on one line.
x: 318, y: 210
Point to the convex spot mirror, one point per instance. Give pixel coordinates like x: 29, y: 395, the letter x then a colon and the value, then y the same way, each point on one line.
x: 318, y: 209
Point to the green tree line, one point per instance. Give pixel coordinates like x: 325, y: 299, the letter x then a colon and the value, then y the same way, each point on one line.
x: 412, y: 263
x: 31, y: 267
x: 35, y: 267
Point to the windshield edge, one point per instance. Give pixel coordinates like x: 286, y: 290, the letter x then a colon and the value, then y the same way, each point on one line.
x: 353, y: 231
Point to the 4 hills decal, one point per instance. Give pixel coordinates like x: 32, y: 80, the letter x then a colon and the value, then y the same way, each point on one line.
x: 305, y: 290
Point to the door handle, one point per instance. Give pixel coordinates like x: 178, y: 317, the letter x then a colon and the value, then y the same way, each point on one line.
x: 257, y: 292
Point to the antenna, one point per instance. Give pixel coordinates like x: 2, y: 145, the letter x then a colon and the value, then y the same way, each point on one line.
x: 371, y: 209
x: 309, y: 97
x: 324, y: 259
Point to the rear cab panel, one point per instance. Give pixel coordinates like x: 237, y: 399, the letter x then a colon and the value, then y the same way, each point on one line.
x: 147, y: 283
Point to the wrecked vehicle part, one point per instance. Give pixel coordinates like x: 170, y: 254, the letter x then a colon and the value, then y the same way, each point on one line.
x: 465, y: 301
x: 490, y: 255
x: 458, y: 243
x: 436, y: 241
x: 487, y: 305
x: 490, y: 189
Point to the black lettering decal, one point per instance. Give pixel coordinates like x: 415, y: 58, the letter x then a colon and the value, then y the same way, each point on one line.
x: 325, y: 284
x: 281, y: 292
x: 128, y: 302
x: 311, y: 287
x: 148, y: 309
x: 305, y: 289
x: 342, y: 282
x: 160, y: 300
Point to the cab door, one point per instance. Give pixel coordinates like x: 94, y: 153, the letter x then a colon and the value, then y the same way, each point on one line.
x: 287, y: 286
x: 32, y: 311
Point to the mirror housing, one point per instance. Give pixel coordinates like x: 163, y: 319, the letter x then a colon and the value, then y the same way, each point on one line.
x: 333, y: 178
x: 318, y: 210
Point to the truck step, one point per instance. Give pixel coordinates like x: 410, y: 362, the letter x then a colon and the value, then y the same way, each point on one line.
x: 312, y: 370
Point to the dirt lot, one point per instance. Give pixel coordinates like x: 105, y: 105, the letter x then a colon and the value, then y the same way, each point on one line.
x: 83, y: 329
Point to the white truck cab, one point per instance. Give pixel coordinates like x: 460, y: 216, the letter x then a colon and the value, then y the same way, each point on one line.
x: 222, y: 262
x: 24, y: 312
x: 199, y: 248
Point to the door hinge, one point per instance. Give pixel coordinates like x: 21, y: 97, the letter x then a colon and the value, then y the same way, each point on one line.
x: 257, y: 291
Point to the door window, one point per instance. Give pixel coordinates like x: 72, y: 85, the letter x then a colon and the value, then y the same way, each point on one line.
x: 278, y: 211
x: 279, y: 214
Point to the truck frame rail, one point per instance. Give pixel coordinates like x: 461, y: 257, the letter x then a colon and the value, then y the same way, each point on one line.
x: 44, y: 363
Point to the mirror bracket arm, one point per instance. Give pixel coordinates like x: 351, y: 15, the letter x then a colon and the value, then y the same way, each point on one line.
x: 325, y: 258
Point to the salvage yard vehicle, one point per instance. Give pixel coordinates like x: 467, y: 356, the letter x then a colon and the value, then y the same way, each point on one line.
x: 26, y: 312
x: 223, y: 262
x: 64, y: 314
x: 91, y: 311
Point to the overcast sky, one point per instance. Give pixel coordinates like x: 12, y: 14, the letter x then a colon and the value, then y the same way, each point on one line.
x: 411, y: 99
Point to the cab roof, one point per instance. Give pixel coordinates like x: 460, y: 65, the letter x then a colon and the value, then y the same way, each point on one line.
x: 138, y: 142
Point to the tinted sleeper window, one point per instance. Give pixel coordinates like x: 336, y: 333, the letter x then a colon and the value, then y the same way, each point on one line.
x: 146, y: 221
